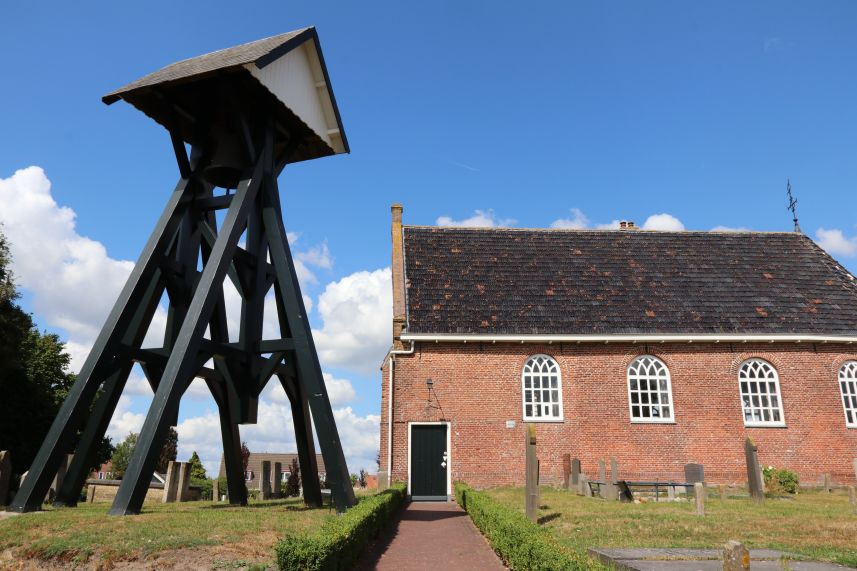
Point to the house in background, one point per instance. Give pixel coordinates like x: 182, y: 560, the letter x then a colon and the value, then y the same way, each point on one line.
x: 657, y: 348
x: 253, y: 475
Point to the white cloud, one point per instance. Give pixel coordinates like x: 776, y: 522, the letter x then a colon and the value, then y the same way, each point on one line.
x: 835, y: 242
x: 612, y: 225
x: 357, y: 313
x: 480, y: 219
x: 577, y: 221
x: 664, y: 222
x: 124, y: 421
x: 729, y: 229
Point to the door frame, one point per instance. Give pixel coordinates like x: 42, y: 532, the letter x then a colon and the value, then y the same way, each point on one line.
x: 448, y: 424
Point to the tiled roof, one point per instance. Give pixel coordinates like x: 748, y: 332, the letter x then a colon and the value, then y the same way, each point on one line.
x: 574, y: 282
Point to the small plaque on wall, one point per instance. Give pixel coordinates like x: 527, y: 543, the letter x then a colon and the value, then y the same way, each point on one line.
x: 510, y: 424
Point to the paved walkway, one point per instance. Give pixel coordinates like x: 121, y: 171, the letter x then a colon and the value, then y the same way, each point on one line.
x: 430, y: 536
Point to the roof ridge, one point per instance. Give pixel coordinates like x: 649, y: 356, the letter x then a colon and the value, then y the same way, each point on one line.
x: 591, y: 230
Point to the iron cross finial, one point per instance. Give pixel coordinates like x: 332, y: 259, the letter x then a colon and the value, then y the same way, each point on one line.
x: 792, y: 204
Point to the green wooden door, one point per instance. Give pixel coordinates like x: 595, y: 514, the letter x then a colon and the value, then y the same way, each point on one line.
x: 429, y: 462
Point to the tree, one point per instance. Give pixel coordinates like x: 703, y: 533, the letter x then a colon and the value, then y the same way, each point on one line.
x: 361, y: 478
x: 169, y: 451
x: 293, y: 482
x: 34, y: 376
x: 122, y: 455
x: 245, y: 456
x: 124, y: 450
x: 197, y: 470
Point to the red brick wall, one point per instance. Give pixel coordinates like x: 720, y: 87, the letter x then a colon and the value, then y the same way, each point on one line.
x: 478, y: 388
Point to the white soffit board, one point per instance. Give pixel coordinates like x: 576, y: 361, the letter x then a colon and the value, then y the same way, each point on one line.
x: 297, y: 80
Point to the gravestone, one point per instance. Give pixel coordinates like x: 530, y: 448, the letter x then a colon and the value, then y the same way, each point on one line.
x: 276, y: 480
x: 215, y: 490
x: 670, y: 493
x: 266, y: 480
x: 171, y: 483
x: 828, y: 483
x: 693, y: 473
x: 584, y: 487
x: 602, y: 478
x: 575, y: 471
x: 855, y: 467
x: 723, y: 495
x: 183, y: 491
x: 532, y: 474
x: 5, y: 475
x: 699, y: 493
x: 852, y: 498
x: 612, y: 488
x: 735, y: 557
x: 754, y: 472
x: 566, y: 470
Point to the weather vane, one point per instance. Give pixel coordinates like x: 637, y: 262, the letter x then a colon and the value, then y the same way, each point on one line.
x: 792, y: 204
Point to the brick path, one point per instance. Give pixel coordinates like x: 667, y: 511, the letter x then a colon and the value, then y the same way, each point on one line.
x: 430, y: 536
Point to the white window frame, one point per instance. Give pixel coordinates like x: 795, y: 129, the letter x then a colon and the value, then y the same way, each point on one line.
x: 848, y: 375
x: 629, y: 376
x: 248, y: 476
x: 778, y: 395
x: 524, y: 389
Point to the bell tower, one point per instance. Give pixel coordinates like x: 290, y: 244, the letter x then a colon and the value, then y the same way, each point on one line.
x: 244, y: 113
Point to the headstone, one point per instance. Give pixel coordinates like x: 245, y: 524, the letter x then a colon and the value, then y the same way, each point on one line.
x: 723, y: 492
x: 266, y: 480
x: 828, y: 483
x: 171, y: 483
x: 670, y: 493
x: 754, y: 473
x: 575, y: 471
x: 584, y: 486
x: 183, y: 492
x: 693, y: 473
x: 566, y: 471
x: 532, y: 474
x: 852, y: 498
x: 215, y: 490
x: 624, y: 492
x: 90, y: 493
x: 612, y: 488
x: 602, y: 471
x: 5, y: 475
x: 735, y: 557
x: 277, y: 479
x: 855, y: 467
x: 699, y: 493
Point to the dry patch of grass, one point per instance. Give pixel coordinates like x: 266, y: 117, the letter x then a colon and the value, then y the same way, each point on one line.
x: 87, y: 535
x: 815, y: 524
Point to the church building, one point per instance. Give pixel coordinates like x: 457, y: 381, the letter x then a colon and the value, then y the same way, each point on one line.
x: 657, y: 348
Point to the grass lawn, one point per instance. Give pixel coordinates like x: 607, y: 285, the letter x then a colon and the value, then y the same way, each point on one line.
x: 186, y: 535
x: 816, y: 524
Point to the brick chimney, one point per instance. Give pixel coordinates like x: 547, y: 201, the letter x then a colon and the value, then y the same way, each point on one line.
x: 627, y: 225
x: 398, y: 276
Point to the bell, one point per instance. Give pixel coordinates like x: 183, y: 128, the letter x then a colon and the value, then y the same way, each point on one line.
x: 230, y: 159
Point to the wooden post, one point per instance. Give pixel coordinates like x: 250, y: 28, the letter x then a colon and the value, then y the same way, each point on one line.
x: 699, y: 493
x: 5, y: 475
x: 566, y: 471
x: 575, y: 471
x: 735, y: 557
x: 754, y: 473
x: 532, y: 468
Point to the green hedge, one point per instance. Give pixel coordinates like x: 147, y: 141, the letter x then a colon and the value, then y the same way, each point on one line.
x: 520, y: 543
x: 339, y: 542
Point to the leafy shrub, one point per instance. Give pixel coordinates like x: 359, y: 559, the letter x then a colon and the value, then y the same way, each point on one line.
x: 780, y: 480
x: 520, y: 543
x: 206, y: 487
x: 339, y: 542
x: 292, y: 486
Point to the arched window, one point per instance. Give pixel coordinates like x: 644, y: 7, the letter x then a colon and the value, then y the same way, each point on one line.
x: 760, y: 394
x: 848, y: 387
x: 649, y: 390
x: 542, y: 389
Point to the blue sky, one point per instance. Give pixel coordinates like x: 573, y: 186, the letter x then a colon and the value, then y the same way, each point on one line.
x: 525, y: 114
